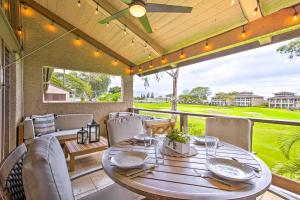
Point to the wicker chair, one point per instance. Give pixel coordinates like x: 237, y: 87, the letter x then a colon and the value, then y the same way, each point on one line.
x: 159, y: 126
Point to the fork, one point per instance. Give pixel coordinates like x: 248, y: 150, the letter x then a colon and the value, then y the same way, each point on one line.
x: 211, y: 177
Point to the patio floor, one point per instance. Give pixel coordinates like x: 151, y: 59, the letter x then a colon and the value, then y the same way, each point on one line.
x: 98, y: 180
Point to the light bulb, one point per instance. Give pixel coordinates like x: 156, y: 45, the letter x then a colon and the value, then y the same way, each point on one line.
x: 107, y: 24
x: 295, y: 18
x: 149, y: 56
x: 182, y: 55
x: 255, y: 11
x: 20, y: 30
x: 151, y: 65
x: 132, y: 42
x: 96, y: 11
x: 78, y: 3
x: 140, y: 69
x: 206, y: 45
x: 244, y: 34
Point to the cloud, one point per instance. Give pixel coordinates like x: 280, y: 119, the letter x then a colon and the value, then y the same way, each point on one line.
x: 263, y: 71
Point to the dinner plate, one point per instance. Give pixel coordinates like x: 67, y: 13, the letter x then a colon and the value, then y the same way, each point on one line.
x: 129, y: 160
x: 230, y: 169
x: 200, y: 139
x: 142, y: 137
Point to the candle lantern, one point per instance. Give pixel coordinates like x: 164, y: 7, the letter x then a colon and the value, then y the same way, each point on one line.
x: 82, y: 136
x: 94, y: 131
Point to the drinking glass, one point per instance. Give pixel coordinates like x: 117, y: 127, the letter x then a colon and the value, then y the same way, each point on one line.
x: 211, y: 144
x: 159, y: 147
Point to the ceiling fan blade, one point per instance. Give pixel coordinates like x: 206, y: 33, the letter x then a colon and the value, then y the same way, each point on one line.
x: 127, y: 1
x: 145, y: 22
x: 153, y: 7
x: 114, y: 16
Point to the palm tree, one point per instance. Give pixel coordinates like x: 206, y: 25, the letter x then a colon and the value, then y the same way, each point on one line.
x: 291, y: 167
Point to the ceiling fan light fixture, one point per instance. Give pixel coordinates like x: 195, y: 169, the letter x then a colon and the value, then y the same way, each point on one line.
x: 137, y: 10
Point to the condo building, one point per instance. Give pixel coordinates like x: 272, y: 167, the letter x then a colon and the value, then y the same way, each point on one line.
x: 241, y: 99
x: 284, y: 100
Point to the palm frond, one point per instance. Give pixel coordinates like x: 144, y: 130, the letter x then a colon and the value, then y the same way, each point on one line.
x: 287, y: 141
x: 288, y: 168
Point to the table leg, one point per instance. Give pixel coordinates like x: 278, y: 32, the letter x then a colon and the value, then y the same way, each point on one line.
x: 72, y: 163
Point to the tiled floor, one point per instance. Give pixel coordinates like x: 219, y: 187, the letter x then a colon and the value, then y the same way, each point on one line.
x: 98, y: 180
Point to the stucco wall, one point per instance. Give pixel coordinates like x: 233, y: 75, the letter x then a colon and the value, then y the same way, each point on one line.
x: 64, y: 54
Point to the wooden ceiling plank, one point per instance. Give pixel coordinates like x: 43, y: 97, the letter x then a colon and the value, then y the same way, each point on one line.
x: 251, y: 9
x: 143, y: 36
x: 271, y: 25
x: 66, y: 25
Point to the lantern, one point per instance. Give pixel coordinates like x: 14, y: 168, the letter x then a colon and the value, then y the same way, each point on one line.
x: 82, y: 136
x: 94, y: 131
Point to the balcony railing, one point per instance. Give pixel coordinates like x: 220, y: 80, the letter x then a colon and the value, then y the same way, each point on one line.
x: 279, y: 181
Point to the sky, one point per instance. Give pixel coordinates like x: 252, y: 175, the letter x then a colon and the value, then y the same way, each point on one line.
x: 262, y: 71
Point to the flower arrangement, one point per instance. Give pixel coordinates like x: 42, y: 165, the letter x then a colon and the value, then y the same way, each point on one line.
x: 178, y: 141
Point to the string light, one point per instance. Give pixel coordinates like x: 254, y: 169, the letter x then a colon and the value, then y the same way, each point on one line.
x: 149, y: 56
x: 151, y: 65
x: 96, y: 11
x: 26, y: 10
x: 163, y: 60
x: 140, y: 69
x: 78, y: 3
x: 206, y: 45
x: 182, y: 55
x: 243, y: 32
x: 20, y: 30
x: 295, y: 17
x: 115, y: 62
x: 107, y: 24
x: 132, y: 42
x: 255, y: 12
x: 125, y: 30
x: 97, y: 53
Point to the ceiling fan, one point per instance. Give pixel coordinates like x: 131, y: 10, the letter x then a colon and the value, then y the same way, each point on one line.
x: 139, y: 8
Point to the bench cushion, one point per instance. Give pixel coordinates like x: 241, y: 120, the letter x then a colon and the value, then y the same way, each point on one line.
x: 45, y: 173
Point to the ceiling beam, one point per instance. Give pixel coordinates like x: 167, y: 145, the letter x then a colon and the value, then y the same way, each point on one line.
x: 272, y: 25
x: 66, y: 25
x: 143, y: 36
x: 251, y: 9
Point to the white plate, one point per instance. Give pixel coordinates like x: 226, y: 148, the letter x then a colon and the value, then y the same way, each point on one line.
x: 142, y: 138
x: 230, y: 169
x: 200, y: 139
x: 129, y: 160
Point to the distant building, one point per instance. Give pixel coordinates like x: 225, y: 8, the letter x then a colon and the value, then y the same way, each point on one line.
x: 284, y: 100
x: 248, y: 99
x: 54, y: 93
x: 241, y: 99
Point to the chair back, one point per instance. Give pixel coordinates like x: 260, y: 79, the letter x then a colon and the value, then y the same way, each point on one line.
x: 159, y: 126
x: 123, y: 128
x: 235, y: 131
x: 11, y: 186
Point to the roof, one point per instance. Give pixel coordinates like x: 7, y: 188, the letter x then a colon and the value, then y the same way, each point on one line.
x: 56, y: 90
x: 215, y: 23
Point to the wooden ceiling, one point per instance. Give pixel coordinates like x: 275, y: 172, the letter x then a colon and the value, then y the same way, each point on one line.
x: 171, y: 31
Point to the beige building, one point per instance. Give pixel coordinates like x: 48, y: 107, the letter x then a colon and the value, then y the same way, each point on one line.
x: 56, y: 94
x: 284, y: 100
x: 242, y: 99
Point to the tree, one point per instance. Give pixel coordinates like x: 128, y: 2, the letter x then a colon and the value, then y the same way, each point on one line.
x: 114, y: 90
x: 292, y: 49
x: 109, y: 97
x: 201, y: 93
x: 148, y: 95
x: 81, y: 88
x: 152, y: 95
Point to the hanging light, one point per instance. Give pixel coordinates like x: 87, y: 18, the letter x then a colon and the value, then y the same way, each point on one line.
x: 107, y: 24
x: 295, y: 17
x: 140, y: 69
x: 132, y: 42
x: 243, y: 32
x: 255, y: 11
x: 206, y: 45
x: 149, y: 56
x: 78, y: 3
x: 97, y: 10
x: 163, y: 60
x: 97, y: 53
x: 182, y: 55
x: 20, y: 30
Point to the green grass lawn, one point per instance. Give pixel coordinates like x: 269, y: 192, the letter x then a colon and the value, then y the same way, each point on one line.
x: 265, y: 136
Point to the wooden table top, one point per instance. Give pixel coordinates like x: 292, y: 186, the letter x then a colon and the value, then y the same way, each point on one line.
x: 176, y: 178
x: 75, y: 148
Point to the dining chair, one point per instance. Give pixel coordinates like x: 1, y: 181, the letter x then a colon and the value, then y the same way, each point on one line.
x: 232, y: 130
x: 45, y: 175
x: 123, y: 128
x: 159, y: 126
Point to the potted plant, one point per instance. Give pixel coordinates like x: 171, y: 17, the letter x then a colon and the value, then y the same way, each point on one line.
x: 178, y: 141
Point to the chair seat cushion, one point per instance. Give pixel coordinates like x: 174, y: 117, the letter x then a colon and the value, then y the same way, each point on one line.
x: 45, y: 173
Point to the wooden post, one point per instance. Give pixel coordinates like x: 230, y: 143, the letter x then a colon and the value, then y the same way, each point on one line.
x: 183, y: 122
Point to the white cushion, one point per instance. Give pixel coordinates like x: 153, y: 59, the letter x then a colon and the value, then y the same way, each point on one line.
x: 43, y: 124
x: 45, y: 173
x: 72, y: 121
x: 123, y: 128
x: 235, y: 131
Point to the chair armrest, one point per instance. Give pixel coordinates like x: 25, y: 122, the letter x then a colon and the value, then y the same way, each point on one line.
x: 28, y: 129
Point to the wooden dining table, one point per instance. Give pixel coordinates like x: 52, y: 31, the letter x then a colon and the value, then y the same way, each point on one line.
x: 186, y: 177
